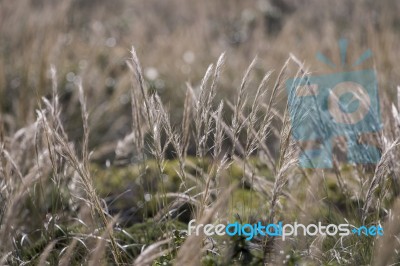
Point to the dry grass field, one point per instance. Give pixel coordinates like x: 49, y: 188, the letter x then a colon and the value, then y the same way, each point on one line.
x: 121, y: 121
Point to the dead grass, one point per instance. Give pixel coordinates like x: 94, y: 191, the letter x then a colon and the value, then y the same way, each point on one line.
x: 207, y: 149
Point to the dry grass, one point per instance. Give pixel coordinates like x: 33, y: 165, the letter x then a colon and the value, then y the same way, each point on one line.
x: 214, y: 152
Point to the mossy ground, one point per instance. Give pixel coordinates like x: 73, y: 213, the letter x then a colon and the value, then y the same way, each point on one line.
x: 334, y: 205
x: 137, y: 195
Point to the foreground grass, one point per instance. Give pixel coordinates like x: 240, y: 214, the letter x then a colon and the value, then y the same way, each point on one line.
x: 61, y: 208
x: 143, y: 222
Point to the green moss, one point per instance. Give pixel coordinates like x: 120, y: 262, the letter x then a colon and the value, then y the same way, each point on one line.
x: 134, y: 188
x: 246, y: 203
x: 118, y: 179
x: 235, y: 172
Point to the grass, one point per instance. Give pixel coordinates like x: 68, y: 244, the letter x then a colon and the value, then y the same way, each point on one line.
x: 80, y: 212
x: 109, y: 165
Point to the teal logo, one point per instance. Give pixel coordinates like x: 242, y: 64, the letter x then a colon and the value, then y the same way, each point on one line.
x: 341, y: 105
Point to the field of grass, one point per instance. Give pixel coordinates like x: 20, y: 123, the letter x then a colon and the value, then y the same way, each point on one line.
x: 122, y: 121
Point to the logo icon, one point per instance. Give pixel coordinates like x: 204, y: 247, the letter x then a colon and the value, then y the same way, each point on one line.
x: 339, y: 106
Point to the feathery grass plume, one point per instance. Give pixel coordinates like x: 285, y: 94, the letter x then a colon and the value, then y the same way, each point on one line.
x: 386, y: 247
x: 201, y: 122
x: 265, y: 127
x: 304, y: 73
x: 66, y: 257
x: 139, y: 78
x: 277, y: 88
x: 152, y: 252
x: 207, y: 109
x: 81, y: 166
x: 236, y: 125
x: 229, y: 132
x: 3, y: 259
x: 179, y: 145
x: 394, y: 160
x: 287, y: 160
x: 2, y: 132
x: 158, y: 123
x: 54, y: 83
x: 187, y: 112
x: 217, y: 74
x: 137, y: 122
x: 11, y: 223
x: 204, y: 120
x: 255, y: 136
x: 158, y: 148
x: 190, y: 251
x: 219, y: 133
x: 180, y: 141
x: 46, y: 253
x: 184, y: 197
x: 158, y: 119
x: 176, y: 140
x: 179, y: 199
x: 378, y: 179
x: 139, y: 104
x: 99, y: 251
x: 217, y: 164
x: 17, y: 176
x: 254, y: 133
x: 141, y: 117
x: 85, y: 120
x: 9, y: 217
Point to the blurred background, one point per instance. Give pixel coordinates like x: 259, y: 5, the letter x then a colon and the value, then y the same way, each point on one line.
x: 176, y: 41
